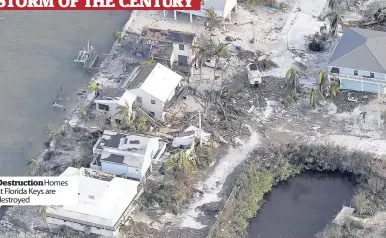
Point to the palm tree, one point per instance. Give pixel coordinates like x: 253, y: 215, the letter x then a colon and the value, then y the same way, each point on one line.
x: 126, y: 113
x: 293, y: 77
x: 118, y: 35
x: 314, y: 98
x: 334, y: 5
x: 336, y: 19
x: 211, y: 19
x: 150, y: 61
x: 335, y: 90
x: 181, y: 164
x: 94, y: 88
x: 33, y: 162
x: 321, y: 80
x: 203, y: 49
x: 141, y: 124
x: 82, y: 111
x: 220, y: 52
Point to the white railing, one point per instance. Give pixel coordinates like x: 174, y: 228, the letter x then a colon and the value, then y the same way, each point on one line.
x: 362, y: 78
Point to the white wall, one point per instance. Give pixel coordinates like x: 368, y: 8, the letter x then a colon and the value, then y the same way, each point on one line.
x: 188, y: 51
x: 157, y: 108
x: 230, y: 4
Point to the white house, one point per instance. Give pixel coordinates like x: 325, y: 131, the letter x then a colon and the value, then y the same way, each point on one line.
x: 177, y: 46
x: 154, y: 87
x: 222, y: 9
x: 105, y: 201
x: 126, y: 155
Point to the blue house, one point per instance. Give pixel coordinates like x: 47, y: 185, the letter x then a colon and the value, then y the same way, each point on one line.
x: 126, y: 155
x: 359, y: 61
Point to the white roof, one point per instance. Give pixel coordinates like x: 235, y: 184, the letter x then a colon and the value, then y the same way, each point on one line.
x: 107, y: 203
x: 161, y: 82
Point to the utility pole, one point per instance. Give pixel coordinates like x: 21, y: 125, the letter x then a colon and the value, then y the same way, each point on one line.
x: 199, y: 122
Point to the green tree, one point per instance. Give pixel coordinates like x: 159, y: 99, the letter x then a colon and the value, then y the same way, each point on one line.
x: 211, y: 19
x: 321, y: 80
x: 82, y: 111
x: 181, y: 165
x: 126, y: 113
x: 32, y: 163
x: 150, y: 61
x: 118, y: 36
x: 94, y: 88
x: 293, y: 78
x: 314, y: 98
x: 141, y: 124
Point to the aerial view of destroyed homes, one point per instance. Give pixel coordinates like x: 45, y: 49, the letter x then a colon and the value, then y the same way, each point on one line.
x: 247, y: 118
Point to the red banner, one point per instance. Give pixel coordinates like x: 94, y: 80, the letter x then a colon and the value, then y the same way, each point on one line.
x: 100, y: 4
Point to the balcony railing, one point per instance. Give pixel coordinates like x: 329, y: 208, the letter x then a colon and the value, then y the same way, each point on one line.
x: 362, y: 78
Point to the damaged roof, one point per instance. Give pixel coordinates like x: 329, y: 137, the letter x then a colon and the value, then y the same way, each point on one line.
x: 361, y: 49
x: 141, y: 76
x: 170, y: 36
x: 123, y: 148
x: 111, y: 93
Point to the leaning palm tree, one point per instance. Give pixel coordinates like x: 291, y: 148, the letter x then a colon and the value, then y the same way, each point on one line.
x: 293, y: 77
x: 314, y: 98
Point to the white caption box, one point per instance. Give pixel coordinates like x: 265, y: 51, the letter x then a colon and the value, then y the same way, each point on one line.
x: 38, y: 191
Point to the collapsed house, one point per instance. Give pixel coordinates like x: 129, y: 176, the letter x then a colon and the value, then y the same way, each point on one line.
x: 359, y: 61
x: 171, y: 48
x: 105, y: 201
x: 126, y: 155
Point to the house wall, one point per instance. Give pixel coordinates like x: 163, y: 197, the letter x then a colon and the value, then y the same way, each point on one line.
x: 188, y: 51
x: 57, y: 223
x: 151, y: 150
x: 230, y: 4
x: 157, y: 108
x: 121, y: 170
x: 374, y: 85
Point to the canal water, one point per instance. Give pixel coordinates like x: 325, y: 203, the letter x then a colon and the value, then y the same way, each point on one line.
x: 302, y: 206
x: 37, y: 49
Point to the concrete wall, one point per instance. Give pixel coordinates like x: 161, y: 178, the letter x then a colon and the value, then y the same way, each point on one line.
x: 121, y: 170
x: 230, y: 4
x: 157, y: 108
x: 351, y: 85
x: 56, y: 223
x: 188, y: 51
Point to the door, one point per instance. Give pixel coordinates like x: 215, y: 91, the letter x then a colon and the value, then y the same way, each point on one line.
x: 182, y: 60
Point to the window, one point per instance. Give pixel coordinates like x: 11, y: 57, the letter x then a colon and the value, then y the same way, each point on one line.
x: 103, y: 107
x: 139, y: 99
x: 371, y: 75
x: 356, y: 72
x: 152, y: 101
x: 182, y: 47
x: 118, y: 121
x: 151, y: 114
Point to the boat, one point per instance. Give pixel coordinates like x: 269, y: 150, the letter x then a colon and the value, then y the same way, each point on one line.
x: 88, y: 56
